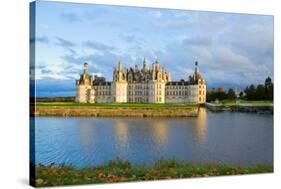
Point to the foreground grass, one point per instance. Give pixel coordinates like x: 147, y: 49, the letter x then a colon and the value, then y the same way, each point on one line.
x: 113, y: 105
x: 122, y: 171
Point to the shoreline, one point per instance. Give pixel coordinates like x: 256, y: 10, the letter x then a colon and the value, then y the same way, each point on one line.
x: 122, y: 171
x: 64, y: 111
x: 247, y: 108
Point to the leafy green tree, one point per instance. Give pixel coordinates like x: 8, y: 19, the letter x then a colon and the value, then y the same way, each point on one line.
x: 231, y: 94
x: 241, y: 94
x: 268, y: 87
x: 216, y: 94
x: 260, y: 92
x: 250, y: 92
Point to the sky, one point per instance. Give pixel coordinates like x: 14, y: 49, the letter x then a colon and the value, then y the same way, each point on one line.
x: 233, y: 50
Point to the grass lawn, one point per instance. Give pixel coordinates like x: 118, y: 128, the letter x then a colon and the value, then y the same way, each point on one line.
x: 233, y: 102
x: 123, y: 171
x: 113, y: 105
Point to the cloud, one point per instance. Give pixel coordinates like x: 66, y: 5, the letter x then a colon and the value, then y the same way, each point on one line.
x: 128, y: 38
x: 156, y: 14
x: 53, y: 88
x: 198, y: 40
x: 193, y: 21
x: 64, y: 43
x: 70, y: 17
x: 255, y: 39
x: 232, y: 49
x: 98, y: 46
x: 99, y: 63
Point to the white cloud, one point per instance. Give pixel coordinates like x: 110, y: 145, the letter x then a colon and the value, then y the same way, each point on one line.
x: 157, y: 14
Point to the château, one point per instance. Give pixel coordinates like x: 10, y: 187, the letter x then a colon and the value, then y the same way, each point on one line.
x: 140, y: 85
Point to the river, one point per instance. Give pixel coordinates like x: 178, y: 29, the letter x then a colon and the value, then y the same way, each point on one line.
x: 233, y: 138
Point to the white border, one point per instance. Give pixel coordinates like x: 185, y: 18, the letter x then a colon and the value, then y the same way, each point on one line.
x: 14, y: 57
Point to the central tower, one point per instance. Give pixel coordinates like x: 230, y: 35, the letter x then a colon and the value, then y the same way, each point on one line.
x: 119, y: 86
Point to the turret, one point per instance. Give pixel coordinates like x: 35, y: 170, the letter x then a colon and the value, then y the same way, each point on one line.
x: 120, y: 72
x: 136, y: 68
x: 157, y: 64
x: 153, y: 67
x: 144, y: 65
x: 197, y: 74
x: 119, y: 66
x: 85, y: 68
x: 196, y: 67
x: 114, y: 74
x: 169, y: 76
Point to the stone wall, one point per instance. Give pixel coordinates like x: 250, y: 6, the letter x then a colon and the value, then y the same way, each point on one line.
x: 115, y: 112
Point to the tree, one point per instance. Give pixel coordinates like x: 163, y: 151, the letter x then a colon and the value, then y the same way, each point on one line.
x: 241, y: 94
x: 231, y: 94
x: 268, y: 89
x: 250, y: 92
x: 216, y: 94
x: 260, y: 92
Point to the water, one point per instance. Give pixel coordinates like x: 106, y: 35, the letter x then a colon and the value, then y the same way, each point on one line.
x: 242, y: 139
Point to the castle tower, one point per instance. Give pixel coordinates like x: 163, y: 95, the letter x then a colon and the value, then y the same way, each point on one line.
x: 119, y: 66
x: 119, y: 86
x: 120, y: 73
x: 144, y: 65
x: 169, y: 77
x: 197, y: 74
x: 153, y: 71
x: 84, y: 91
x: 201, y: 90
x: 115, y: 75
x: 86, y: 68
x: 157, y: 64
x: 196, y: 68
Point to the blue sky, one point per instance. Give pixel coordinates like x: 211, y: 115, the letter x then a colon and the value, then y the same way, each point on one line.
x: 233, y: 50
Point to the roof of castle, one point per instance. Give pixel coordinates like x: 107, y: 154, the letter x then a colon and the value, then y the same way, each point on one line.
x: 105, y: 83
x: 101, y: 81
x: 176, y: 83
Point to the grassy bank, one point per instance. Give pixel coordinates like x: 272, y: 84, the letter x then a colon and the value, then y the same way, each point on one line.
x: 114, y: 105
x: 261, y: 106
x: 122, y: 171
x: 255, y: 102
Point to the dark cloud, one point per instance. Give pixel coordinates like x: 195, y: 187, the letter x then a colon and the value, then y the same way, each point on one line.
x: 64, y: 43
x: 46, y: 71
x: 53, y: 88
x: 101, y: 63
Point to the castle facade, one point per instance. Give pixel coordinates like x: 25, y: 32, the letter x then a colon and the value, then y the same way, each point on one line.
x: 140, y: 85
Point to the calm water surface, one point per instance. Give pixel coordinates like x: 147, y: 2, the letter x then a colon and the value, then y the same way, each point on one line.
x: 234, y: 138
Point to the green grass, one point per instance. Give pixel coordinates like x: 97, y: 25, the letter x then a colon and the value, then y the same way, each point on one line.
x: 233, y: 102
x: 113, y: 105
x: 123, y: 171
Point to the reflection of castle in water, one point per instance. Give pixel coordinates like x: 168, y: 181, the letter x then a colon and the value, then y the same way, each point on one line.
x: 201, y: 126
x: 158, y: 130
x: 121, y: 132
x: 87, y: 134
